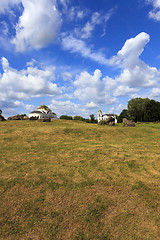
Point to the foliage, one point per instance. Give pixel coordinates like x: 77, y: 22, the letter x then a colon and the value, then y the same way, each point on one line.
x: 0, y: 111
x: 87, y: 120
x: 66, y: 117
x: 152, y: 111
x: 79, y: 118
x: 123, y: 114
x: 136, y: 108
x: 143, y: 110
x: 93, y: 120
x: 23, y: 115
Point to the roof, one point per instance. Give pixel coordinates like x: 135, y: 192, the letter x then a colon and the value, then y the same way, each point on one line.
x: 44, y: 107
x: 109, y: 114
x: 36, y: 111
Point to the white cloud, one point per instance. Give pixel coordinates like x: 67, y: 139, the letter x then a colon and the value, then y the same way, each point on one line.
x: 110, y: 83
x: 6, y: 4
x: 24, y: 84
x: 96, y: 19
x: 28, y: 107
x: 67, y: 76
x: 90, y: 88
x: 124, y: 90
x: 38, y: 26
x: 11, y: 108
x: 155, y: 93
x: 91, y: 105
x: 155, y: 12
x: 89, y: 27
x: 135, y: 72
x: 120, y: 107
x: 65, y: 108
x: 87, y: 30
x: 133, y: 47
x: 31, y: 63
x: 78, y: 46
x: 69, y: 108
x: 64, y: 3
x: 80, y: 14
x: 73, y: 13
x: 156, y: 3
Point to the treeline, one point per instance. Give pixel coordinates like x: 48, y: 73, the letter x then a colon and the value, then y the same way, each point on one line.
x: 141, y: 110
x: 79, y: 118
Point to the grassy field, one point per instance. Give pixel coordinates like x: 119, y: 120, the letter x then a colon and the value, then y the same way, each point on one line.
x: 73, y: 180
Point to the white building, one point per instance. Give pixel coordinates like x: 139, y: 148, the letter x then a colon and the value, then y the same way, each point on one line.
x: 43, y: 112
x: 105, y: 116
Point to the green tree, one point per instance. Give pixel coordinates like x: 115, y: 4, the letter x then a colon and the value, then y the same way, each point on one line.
x: 66, y: 117
x: 152, y: 111
x: 136, y: 108
x: 92, y: 118
x: 78, y: 118
x: 123, y: 114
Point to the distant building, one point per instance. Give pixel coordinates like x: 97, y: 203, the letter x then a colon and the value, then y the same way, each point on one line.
x: 43, y: 112
x: 105, y: 116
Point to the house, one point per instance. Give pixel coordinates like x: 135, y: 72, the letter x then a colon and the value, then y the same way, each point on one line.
x: 43, y: 112
x: 105, y: 116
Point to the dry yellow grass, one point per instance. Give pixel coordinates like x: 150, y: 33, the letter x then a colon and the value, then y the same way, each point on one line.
x: 73, y: 180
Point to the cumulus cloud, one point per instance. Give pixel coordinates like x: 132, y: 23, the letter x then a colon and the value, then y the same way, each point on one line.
x: 120, y: 107
x: 91, y: 88
x: 38, y: 26
x: 24, y: 84
x: 65, y: 108
x: 155, y: 93
x: 69, y: 108
x: 133, y: 47
x: 110, y: 83
x: 11, y: 108
x: 124, y: 90
x: 135, y: 72
x: 75, y: 45
x: 91, y: 105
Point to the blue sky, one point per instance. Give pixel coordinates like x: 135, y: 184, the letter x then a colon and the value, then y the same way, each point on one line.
x: 78, y: 56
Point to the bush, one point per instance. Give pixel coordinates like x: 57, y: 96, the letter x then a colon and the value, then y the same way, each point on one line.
x: 66, y: 117
x: 79, y: 118
x: 87, y: 120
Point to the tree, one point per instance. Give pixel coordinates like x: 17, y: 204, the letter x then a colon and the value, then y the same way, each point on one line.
x: 66, y: 117
x: 92, y: 118
x: 152, y: 111
x: 123, y: 114
x: 78, y: 118
x: 136, y: 108
x: 0, y: 111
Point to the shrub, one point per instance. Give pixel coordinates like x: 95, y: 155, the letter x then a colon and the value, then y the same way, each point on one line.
x: 78, y: 118
x: 66, y: 117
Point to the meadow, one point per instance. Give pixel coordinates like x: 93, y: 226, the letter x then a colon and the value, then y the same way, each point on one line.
x: 74, y: 180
